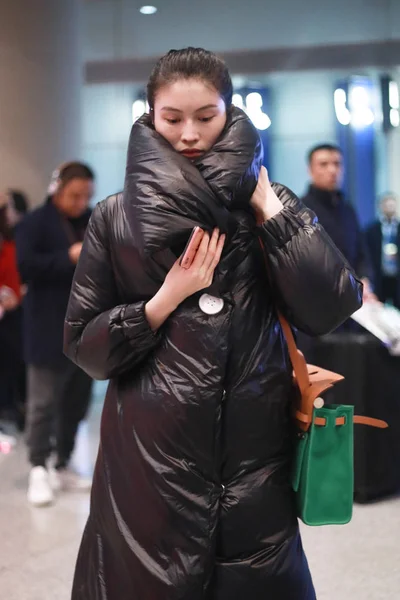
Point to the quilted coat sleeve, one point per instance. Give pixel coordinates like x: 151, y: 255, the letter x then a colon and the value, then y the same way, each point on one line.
x: 316, y: 288
x: 103, y: 337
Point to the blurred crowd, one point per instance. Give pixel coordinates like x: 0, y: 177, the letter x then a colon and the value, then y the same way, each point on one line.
x: 42, y: 392
x: 46, y: 396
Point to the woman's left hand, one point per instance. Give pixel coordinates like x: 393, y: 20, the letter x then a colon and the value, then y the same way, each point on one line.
x: 368, y: 294
x: 264, y: 201
x: 8, y: 298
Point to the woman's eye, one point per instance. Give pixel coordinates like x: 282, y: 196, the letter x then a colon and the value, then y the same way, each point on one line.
x: 206, y: 119
x: 172, y: 121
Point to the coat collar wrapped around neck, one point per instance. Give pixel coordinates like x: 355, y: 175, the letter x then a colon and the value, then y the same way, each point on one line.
x: 166, y: 195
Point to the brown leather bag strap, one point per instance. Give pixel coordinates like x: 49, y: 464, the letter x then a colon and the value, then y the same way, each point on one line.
x: 296, y: 357
x: 361, y: 420
x: 312, y: 380
x: 357, y: 419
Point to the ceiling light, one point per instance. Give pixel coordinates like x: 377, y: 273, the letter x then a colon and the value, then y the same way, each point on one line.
x: 394, y: 95
x: 362, y: 114
x: 394, y: 117
x: 342, y: 112
x: 237, y: 100
x: 148, y: 10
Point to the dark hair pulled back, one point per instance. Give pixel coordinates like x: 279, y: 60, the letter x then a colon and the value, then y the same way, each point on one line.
x: 74, y: 170
x: 190, y: 63
x: 329, y: 147
x: 5, y: 230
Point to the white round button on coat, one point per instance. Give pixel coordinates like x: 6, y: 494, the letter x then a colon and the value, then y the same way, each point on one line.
x: 210, y: 305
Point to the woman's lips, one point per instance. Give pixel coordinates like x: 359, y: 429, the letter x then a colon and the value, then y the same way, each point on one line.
x: 191, y: 153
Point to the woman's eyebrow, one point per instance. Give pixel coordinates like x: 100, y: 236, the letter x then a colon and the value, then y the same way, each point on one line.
x: 207, y: 106
x: 171, y: 109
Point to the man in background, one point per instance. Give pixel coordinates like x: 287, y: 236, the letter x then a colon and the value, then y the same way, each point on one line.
x: 49, y: 242
x: 383, y: 243
x: 336, y: 215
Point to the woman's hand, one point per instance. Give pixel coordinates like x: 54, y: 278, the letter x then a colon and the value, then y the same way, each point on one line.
x: 8, y: 298
x: 181, y: 283
x: 264, y: 201
x: 368, y: 294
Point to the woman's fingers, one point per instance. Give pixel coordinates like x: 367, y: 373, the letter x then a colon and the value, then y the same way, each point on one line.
x: 201, y: 252
x: 208, y: 255
x: 211, y: 250
x: 218, y: 252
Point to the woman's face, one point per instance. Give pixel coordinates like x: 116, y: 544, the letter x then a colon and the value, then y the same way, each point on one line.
x: 190, y: 114
x: 74, y: 197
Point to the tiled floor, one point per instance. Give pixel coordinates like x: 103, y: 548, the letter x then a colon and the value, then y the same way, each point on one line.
x: 360, y: 561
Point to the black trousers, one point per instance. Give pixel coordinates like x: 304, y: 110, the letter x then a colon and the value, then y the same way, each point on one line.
x: 58, y: 399
x: 12, y: 367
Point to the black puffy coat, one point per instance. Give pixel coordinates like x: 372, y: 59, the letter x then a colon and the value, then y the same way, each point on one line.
x: 191, y: 496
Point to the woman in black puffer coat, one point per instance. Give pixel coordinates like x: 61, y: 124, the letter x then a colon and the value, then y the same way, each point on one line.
x: 191, y: 496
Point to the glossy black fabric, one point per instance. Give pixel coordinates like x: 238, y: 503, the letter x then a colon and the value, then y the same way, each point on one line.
x: 191, y: 496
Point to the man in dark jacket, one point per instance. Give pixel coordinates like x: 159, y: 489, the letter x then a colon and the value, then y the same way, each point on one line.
x: 383, y: 243
x: 337, y: 216
x: 49, y: 243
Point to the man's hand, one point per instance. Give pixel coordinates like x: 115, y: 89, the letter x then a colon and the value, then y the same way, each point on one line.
x: 368, y: 294
x: 74, y: 252
x: 8, y: 298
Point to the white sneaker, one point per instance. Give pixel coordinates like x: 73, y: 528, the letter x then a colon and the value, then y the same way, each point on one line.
x: 54, y: 479
x: 39, y: 491
x: 67, y: 480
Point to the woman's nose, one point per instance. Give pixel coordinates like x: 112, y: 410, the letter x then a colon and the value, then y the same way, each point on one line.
x: 190, y: 134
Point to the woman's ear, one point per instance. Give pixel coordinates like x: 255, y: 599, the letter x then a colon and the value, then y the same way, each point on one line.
x: 151, y: 113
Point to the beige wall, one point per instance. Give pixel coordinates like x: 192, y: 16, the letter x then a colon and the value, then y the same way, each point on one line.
x: 40, y: 86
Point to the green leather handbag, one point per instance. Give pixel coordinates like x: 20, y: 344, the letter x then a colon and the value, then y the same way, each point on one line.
x: 323, y: 462
x: 323, y: 465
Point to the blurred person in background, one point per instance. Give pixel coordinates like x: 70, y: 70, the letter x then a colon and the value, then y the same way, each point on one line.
x: 13, y: 206
x: 383, y: 243
x: 10, y: 300
x: 49, y: 242
x: 337, y: 216
x: 17, y: 207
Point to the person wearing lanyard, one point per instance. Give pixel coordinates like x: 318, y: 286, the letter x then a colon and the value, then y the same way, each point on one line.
x: 383, y: 240
x: 49, y: 242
